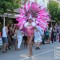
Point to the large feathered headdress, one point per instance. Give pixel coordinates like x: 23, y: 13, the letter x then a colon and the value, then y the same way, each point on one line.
x: 32, y: 10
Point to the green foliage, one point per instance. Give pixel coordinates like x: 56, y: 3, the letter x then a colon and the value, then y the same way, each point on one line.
x: 8, y: 5
x: 54, y: 10
x: 58, y: 13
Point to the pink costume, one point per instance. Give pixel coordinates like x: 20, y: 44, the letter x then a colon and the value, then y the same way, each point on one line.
x: 30, y: 28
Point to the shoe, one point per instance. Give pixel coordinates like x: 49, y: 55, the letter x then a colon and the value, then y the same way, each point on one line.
x: 18, y: 49
x: 37, y: 48
x: 30, y: 55
x: 9, y: 48
x: 43, y: 42
x: 15, y: 48
x: 3, y: 51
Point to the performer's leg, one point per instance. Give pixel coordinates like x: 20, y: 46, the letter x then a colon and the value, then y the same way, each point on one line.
x: 30, y: 45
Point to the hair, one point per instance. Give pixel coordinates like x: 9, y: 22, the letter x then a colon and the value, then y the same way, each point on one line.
x: 6, y: 24
x: 28, y: 19
x: 17, y: 27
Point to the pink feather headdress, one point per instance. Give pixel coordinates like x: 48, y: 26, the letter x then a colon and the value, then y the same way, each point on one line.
x: 33, y: 11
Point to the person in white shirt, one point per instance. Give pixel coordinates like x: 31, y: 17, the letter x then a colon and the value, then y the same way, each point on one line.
x: 19, y: 34
x: 37, y: 38
x: 4, y: 38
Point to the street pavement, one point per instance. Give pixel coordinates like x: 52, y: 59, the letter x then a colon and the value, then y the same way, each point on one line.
x: 46, y: 52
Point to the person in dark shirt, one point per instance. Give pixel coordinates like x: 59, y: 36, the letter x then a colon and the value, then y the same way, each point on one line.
x: 53, y: 35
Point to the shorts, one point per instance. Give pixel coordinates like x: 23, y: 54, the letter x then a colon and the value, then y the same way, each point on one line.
x: 14, y: 40
x: 5, y: 39
x: 38, y: 39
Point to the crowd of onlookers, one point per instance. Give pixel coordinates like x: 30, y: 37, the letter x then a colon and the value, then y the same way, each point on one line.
x: 52, y: 34
x: 12, y: 35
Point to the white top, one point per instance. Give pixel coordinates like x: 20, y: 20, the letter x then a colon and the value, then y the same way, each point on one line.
x: 4, y: 33
x: 41, y: 31
x: 19, y: 33
x: 27, y: 23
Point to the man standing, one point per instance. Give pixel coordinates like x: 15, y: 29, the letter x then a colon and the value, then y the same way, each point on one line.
x: 4, y: 38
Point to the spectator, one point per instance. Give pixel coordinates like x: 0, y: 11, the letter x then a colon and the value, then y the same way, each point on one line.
x: 53, y: 35
x: 15, y: 38
x: 47, y: 36
x: 4, y: 38
x: 37, y: 38
x: 19, y: 34
x: 9, y: 37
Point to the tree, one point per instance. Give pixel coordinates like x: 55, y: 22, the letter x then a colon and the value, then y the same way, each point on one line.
x: 8, y: 5
x: 58, y: 14
x: 53, y: 10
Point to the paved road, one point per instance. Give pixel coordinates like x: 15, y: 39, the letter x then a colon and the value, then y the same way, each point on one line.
x: 46, y: 52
